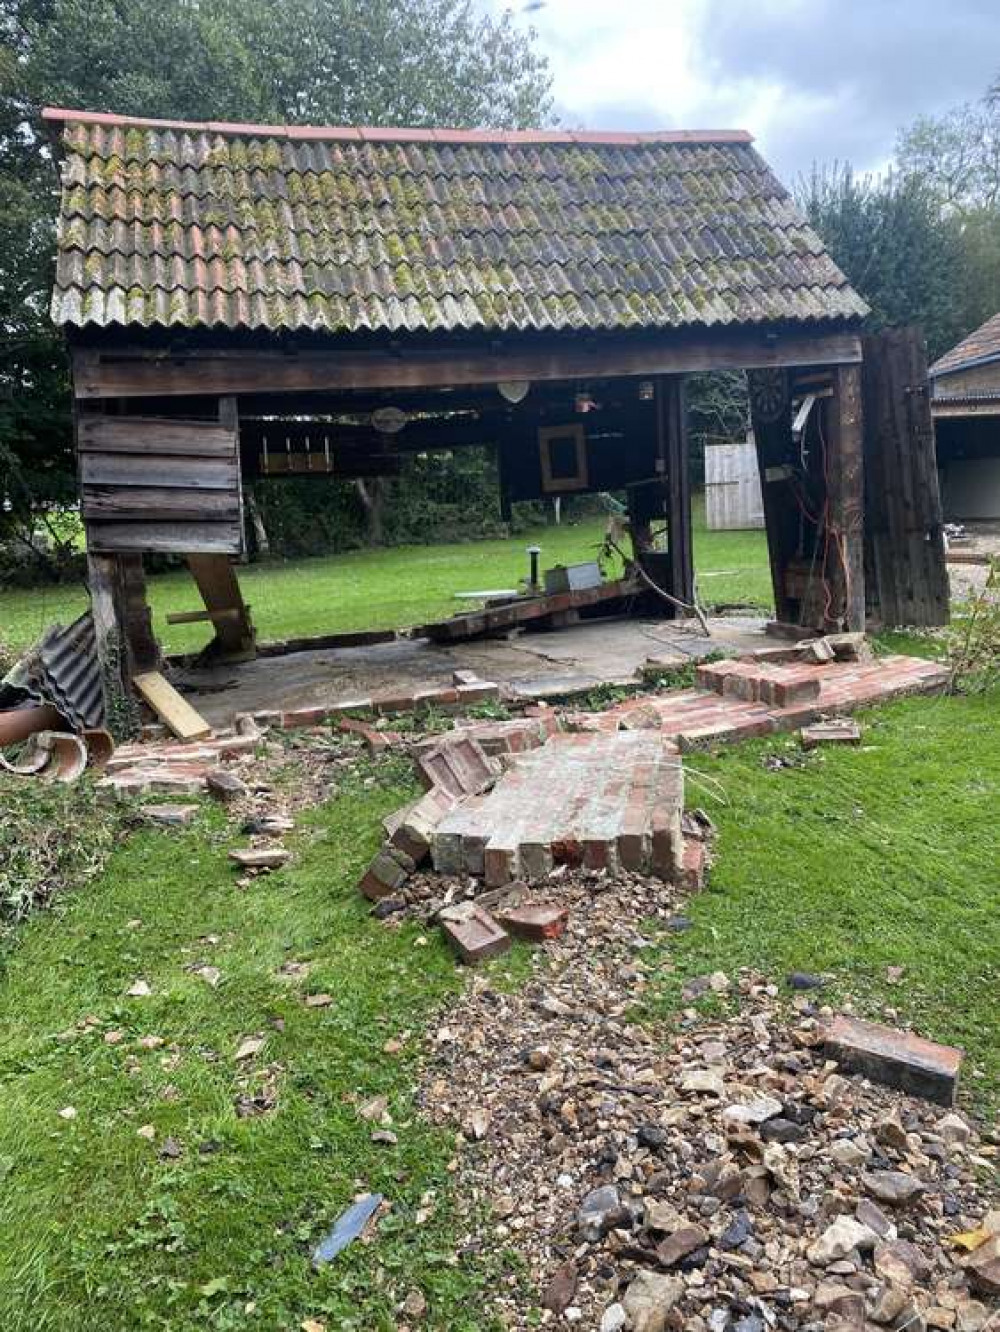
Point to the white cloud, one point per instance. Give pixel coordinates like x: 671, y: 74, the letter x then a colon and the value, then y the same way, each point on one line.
x: 811, y: 79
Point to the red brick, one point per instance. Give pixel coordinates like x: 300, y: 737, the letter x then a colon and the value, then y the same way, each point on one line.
x: 536, y: 921
x: 376, y: 741
x: 473, y: 933
x: 895, y: 1058
x: 785, y: 692
x: 482, y: 691
x: 302, y: 717
x: 458, y: 764
x: 413, y: 830
x: 387, y: 873
x: 693, y: 865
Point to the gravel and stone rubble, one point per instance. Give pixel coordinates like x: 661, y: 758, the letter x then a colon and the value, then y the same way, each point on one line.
x: 717, y: 1176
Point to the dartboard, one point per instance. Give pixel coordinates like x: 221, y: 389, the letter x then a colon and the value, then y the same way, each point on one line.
x: 768, y: 394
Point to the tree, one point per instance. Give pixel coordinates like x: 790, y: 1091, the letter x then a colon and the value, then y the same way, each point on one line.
x: 402, y: 62
x: 886, y: 233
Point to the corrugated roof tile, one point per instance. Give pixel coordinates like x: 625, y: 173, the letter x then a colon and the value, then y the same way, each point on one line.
x: 346, y: 230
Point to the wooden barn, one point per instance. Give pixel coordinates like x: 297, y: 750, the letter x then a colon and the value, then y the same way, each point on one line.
x: 965, y: 405
x: 248, y: 300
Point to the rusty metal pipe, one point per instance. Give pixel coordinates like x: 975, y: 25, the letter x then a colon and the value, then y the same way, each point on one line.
x: 20, y: 723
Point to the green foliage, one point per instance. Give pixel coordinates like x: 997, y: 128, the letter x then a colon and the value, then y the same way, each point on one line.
x: 718, y: 408
x: 886, y: 234
x: 96, y: 1229
x: 973, y: 639
x: 402, y: 62
x: 51, y: 836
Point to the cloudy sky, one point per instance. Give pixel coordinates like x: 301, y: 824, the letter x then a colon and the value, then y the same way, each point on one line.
x: 811, y: 79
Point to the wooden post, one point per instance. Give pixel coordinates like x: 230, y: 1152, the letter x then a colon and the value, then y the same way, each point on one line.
x: 672, y: 428
x: 111, y: 590
x: 771, y: 418
x: 845, y: 485
x: 235, y: 637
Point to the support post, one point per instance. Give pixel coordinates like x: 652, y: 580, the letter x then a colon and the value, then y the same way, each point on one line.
x: 235, y: 637
x: 123, y: 633
x: 672, y: 426
x: 771, y: 420
x: 845, y: 483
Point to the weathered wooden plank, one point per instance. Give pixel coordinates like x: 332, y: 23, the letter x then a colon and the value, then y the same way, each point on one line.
x: 220, y: 590
x: 110, y: 375
x: 178, y: 538
x: 845, y: 479
x: 142, y: 502
x: 172, y: 709
x: 122, y: 469
x: 154, y: 435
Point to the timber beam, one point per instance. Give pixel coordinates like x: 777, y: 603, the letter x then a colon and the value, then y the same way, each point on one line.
x: 124, y: 373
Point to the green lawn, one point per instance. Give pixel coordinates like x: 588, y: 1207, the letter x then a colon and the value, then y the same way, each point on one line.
x: 846, y: 862
x: 851, y: 861
x: 392, y: 588
x: 96, y: 1230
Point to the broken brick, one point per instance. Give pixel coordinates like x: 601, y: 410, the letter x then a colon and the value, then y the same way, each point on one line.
x: 298, y: 717
x: 841, y: 731
x: 376, y: 741
x: 260, y: 857
x: 536, y: 921
x: 473, y: 933
x: 458, y: 765
x: 693, y: 863
x: 896, y: 1058
x: 225, y: 785
x: 386, y: 874
x: 411, y: 829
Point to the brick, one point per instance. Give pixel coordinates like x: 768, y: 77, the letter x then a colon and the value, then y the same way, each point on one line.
x: 386, y: 874
x: 376, y: 741
x: 464, y: 678
x: 266, y: 857
x: 896, y: 1058
x: 352, y: 705
x: 225, y: 786
x: 535, y: 921
x: 786, y: 692
x: 171, y: 816
x: 693, y: 864
x: 299, y: 717
x: 386, y: 704
x: 413, y: 830
x: 842, y: 731
x: 482, y: 691
x: 474, y: 934
x: 458, y: 764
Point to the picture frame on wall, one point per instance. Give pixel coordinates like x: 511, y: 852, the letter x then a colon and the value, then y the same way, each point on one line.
x: 562, y: 452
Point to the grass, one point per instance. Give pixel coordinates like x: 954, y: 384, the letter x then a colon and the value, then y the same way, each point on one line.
x: 392, y: 588
x: 851, y: 861
x: 95, y: 1229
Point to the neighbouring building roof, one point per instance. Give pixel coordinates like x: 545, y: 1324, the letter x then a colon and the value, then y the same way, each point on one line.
x: 344, y: 230
x: 981, y: 345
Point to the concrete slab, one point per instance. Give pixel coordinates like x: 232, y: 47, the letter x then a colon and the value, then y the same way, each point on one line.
x: 577, y: 657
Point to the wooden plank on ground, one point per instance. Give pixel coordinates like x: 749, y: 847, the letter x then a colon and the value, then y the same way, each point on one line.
x: 172, y: 709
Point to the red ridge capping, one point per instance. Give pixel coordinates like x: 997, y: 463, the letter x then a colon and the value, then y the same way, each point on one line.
x: 391, y: 134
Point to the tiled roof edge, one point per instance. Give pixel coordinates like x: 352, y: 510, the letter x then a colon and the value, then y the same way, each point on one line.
x: 376, y: 134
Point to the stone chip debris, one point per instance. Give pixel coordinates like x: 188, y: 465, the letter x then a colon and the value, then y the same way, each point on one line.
x: 725, y: 1176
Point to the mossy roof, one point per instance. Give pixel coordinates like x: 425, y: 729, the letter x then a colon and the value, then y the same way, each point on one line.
x: 390, y: 230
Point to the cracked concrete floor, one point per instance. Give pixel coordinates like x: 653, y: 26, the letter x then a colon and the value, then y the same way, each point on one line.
x: 562, y: 660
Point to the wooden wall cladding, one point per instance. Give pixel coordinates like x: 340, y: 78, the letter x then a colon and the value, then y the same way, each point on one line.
x: 159, y: 485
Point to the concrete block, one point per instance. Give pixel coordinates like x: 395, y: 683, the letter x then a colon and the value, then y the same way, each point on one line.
x: 895, y: 1058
